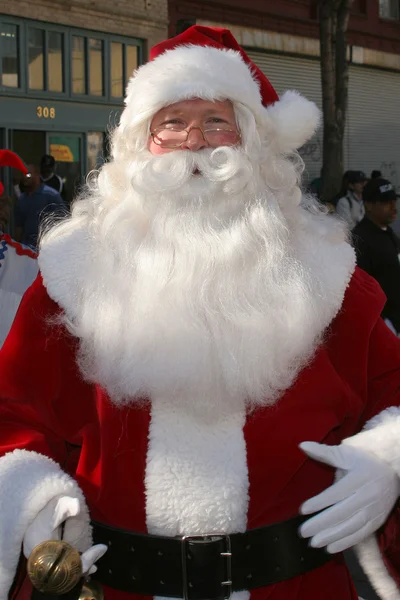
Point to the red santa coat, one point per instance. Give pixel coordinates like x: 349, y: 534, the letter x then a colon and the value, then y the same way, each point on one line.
x: 48, y: 409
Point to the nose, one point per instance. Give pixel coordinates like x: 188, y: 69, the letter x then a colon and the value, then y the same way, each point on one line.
x: 195, y: 141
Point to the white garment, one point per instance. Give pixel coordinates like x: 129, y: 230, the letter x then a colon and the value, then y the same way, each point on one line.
x: 350, y: 209
x: 61, y: 181
x: 17, y: 273
x: 389, y: 323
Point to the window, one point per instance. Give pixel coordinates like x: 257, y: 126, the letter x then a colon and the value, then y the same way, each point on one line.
x: 55, y: 74
x: 117, y: 82
x: 95, y: 143
x: 40, y: 62
x: 78, y: 65
x: 36, y: 59
x: 131, y: 61
x: 389, y: 9
x: 124, y: 60
x: 9, y: 55
x: 96, y: 87
x: 44, y: 59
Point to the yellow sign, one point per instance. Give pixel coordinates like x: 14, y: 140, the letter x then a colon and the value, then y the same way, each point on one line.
x: 45, y: 112
x: 61, y: 153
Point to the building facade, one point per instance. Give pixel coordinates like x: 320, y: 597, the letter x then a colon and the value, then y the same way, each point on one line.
x: 64, y: 65
x: 283, y: 40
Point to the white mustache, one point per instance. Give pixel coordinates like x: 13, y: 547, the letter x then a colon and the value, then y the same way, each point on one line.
x: 169, y: 172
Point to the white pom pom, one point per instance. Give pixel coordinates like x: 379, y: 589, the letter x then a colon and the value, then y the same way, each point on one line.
x: 295, y: 120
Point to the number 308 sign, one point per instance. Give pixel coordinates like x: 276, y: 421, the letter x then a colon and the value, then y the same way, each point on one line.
x: 45, y: 112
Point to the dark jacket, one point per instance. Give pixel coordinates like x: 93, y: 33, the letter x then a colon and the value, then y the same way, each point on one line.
x: 31, y: 209
x: 378, y: 253
x: 56, y: 182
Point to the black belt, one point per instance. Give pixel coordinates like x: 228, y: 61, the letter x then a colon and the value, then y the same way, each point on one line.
x: 199, y: 567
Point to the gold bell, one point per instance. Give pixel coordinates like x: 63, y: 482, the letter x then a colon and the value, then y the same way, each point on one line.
x: 54, y: 567
x: 91, y: 590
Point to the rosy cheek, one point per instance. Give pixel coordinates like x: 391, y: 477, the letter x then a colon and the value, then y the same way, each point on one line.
x: 156, y: 149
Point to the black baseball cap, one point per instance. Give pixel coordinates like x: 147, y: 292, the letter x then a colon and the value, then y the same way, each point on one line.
x: 379, y: 190
x: 376, y: 173
x: 356, y: 176
x: 48, y: 161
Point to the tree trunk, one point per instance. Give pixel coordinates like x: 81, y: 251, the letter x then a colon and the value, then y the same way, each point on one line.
x: 334, y: 17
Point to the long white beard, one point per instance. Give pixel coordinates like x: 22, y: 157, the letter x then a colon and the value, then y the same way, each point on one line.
x: 195, y: 288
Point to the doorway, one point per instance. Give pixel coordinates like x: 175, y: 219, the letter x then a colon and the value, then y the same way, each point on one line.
x: 66, y: 148
x: 29, y: 145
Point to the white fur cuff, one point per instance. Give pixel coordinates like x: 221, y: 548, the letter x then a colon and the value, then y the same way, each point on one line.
x: 381, y: 438
x: 28, y: 481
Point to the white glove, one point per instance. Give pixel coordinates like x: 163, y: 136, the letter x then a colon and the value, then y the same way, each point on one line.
x: 389, y: 324
x: 360, y: 501
x: 47, y: 526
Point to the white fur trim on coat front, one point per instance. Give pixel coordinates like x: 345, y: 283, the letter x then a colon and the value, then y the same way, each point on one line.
x: 210, y: 73
x: 28, y: 481
x: 196, y: 472
x: 381, y: 438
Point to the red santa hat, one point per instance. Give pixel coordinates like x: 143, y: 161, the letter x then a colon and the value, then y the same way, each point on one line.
x: 10, y: 159
x: 208, y: 63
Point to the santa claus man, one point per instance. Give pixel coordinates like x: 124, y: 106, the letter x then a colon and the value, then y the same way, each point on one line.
x: 18, y: 265
x: 196, y: 321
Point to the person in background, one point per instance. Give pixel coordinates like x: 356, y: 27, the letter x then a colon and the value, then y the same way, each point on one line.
x: 350, y: 207
x: 17, y: 186
x: 5, y: 209
x: 50, y: 177
x: 37, y: 203
x: 375, y: 174
x: 378, y: 247
x: 18, y: 270
x: 18, y: 264
x: 316, y: 185
x: 343, y: 189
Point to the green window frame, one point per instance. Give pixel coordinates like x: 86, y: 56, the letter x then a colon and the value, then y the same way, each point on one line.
x: 117, y: 88
x: 6, y: 25
x: 97, y: 84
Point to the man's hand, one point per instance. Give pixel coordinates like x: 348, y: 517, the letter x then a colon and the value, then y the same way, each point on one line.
x: 47, y: 526
x: 356, y: 505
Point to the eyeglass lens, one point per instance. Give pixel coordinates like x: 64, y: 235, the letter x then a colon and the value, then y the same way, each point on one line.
x: 214, y: 137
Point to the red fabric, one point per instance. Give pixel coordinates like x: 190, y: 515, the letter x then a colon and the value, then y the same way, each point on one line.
x: 10, y: 159
x: 354, y: 375
x: 217, y: 37
x: 19, y: 248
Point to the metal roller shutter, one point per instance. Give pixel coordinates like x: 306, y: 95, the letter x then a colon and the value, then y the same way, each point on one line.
x: 372, y: 137
x: 373, y: 122
x: 302, y: 74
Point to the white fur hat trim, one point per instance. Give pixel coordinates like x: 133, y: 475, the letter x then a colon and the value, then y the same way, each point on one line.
x: 215, y: 74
